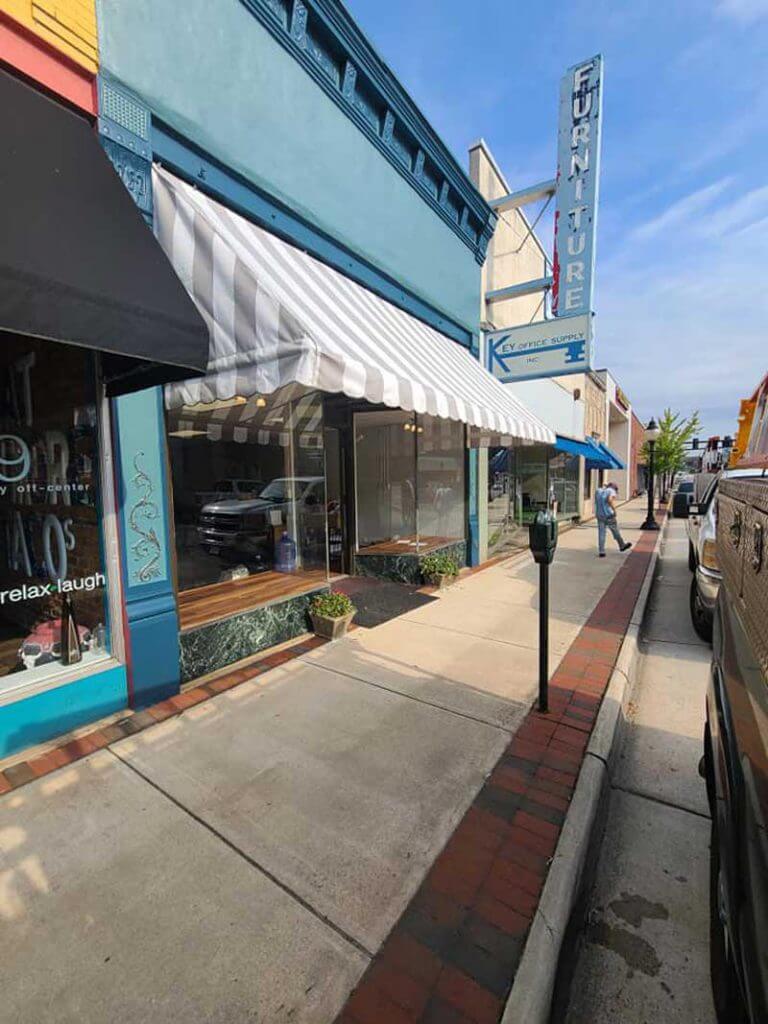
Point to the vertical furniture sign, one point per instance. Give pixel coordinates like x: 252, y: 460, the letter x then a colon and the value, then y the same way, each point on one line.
x: 578, y: 174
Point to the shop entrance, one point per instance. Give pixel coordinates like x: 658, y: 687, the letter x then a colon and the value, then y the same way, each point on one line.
x: 337, y: 493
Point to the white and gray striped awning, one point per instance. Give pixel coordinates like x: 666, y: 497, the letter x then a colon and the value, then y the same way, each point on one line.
x: 277, y: 316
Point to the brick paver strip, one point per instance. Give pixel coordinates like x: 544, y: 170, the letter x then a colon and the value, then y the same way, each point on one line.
x: 452, y: 956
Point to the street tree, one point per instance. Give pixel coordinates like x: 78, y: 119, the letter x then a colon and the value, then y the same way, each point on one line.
x: 669, y: 450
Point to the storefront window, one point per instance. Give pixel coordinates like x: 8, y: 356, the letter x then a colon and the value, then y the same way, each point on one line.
x: 52, y: 581
x: 531, y: 484
x: 503, y: 530
x: 564, y: 485
x: 518, y: 487
x: 385, y: 470
x: 410, y: 480
x: 441, y: 452
x: 249, y: 490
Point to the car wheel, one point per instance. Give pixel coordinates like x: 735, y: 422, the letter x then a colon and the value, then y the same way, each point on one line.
x: 726, y: 992
x: 691, y: 558
x: 700, y: 617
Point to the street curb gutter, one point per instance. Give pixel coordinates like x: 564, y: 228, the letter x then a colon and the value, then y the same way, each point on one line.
x: 530, y: 1000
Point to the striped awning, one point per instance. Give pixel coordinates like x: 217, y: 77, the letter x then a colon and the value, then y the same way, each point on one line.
x: 278, y: 316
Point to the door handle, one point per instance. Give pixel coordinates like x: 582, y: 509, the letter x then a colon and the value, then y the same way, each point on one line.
x: 757, y: 547
x: 735, y: 529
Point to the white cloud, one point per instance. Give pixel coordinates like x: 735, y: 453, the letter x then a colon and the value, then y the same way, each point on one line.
x: 740, y: 215
x: 681, y: 211
x: 681, y: 317
x: 743, y: 10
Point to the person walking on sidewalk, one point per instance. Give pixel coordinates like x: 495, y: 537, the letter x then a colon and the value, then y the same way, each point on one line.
x: 605, y: 508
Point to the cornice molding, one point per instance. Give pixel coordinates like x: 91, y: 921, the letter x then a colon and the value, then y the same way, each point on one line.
x: 322, y: 37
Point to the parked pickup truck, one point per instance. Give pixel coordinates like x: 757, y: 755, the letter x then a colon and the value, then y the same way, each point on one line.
x: 701, y: 527
x: 735, y: 762
x: 243, y: 529
x: 232, y: 488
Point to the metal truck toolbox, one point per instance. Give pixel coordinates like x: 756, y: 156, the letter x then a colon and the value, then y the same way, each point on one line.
x: 745, y: 510
x: 731, y: 510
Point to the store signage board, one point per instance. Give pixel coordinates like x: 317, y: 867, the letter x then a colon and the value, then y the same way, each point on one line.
x: 543, y: 349
x: 578, y: 175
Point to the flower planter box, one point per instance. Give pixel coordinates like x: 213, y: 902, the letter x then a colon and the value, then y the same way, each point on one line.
x: 331, y: 628
x: 441, y: 580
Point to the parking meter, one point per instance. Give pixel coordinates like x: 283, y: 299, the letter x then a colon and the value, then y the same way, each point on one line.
x: 543, y: 537
x: 543, y: 540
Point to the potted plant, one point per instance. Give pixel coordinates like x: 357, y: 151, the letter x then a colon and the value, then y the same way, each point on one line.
x: 439, y: 569
x: 331, y: 614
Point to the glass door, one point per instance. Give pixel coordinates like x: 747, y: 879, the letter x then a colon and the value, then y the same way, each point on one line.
x: 336, y: 491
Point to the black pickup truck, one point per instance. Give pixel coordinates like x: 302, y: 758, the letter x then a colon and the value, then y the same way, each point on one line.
x: 735, y: 762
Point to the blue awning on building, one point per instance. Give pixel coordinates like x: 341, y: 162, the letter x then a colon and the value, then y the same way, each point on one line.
x: 615, y: 461
x: 586, y: 448
x: 596, y: 454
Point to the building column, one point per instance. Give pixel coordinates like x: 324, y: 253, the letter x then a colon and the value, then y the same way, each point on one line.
x: 150, y: 613
x: 150, y: 616
x: 473, y: 538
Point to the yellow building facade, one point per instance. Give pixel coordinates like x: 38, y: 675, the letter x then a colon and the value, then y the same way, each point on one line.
x: 69, y: 26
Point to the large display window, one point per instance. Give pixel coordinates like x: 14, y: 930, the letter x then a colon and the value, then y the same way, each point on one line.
x: 518, y: 487
x: 410, y: 486
x: 248, y: 480
x: 564, y: 485
x: 53, y: 610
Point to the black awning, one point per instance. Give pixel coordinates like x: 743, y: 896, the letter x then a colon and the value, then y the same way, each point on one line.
x: 77, y: 262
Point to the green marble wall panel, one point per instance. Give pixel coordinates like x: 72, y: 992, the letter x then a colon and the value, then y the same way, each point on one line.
x: 404, y: 568
x: 225, y: 641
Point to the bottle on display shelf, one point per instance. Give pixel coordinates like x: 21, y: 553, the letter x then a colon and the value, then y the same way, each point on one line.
x: 71, y: 651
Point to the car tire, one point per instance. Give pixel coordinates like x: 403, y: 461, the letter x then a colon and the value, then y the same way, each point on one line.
x: 691, y: 558
x: 700, y: 617
x: 726, y: 992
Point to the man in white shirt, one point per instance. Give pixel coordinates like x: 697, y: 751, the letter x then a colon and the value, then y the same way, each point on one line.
x: 605, y: 510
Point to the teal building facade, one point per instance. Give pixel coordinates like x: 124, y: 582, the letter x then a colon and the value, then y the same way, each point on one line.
x: 281, y: 112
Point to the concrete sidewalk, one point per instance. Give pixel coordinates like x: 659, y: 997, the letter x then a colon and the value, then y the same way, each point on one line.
x: 644, y: 953
x: 246, y: 859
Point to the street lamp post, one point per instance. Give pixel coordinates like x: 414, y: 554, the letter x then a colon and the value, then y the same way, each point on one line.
x: 651, y: 433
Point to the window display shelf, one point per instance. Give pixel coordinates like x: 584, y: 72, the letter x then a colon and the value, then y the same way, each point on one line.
x: 407, y: 546
x: 221, y: 600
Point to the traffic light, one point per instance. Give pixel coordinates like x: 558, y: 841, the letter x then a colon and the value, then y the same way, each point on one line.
x: 695, y: 443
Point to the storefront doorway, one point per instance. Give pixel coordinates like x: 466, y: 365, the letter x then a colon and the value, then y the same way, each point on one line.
x: 337, y: 492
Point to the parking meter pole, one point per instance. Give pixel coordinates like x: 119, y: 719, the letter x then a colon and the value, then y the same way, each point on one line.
x: 543, y: 538
x: 544, y: 637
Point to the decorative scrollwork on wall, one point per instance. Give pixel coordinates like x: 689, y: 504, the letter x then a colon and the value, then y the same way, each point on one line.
x: 147, y: 548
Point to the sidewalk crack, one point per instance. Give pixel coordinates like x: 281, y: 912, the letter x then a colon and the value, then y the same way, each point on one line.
x: 427, y: 703
x: 250, y: 860
x: 660, y: 800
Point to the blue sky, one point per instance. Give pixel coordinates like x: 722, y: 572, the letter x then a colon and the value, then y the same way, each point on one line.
x: 682, y: 258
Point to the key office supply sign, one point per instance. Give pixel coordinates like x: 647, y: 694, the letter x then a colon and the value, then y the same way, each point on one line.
x: 578, y: 174
x: 558, y: 346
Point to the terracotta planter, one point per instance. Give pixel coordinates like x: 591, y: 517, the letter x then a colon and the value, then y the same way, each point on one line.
x: 441, y: 580
x: 331, y: 629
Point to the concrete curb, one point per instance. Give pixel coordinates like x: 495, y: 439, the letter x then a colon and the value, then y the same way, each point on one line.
x: 530, y: 1000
